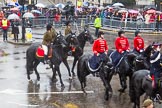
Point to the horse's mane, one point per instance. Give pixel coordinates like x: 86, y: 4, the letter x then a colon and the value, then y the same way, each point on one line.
x: 147, y: 51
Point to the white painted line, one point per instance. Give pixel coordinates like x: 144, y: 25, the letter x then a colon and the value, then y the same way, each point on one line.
x: 17, y: 92
x: 23, y: 104
x: 67, y: 92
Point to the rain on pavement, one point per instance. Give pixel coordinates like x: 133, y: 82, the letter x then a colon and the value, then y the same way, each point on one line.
x: 17, y: 92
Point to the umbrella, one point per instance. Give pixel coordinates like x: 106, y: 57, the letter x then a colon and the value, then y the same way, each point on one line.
x: 28, y: 15
x: 151, y: 11
x: 158, y: 12
x: 85, y: 3
x: 14, y: 9
x: 36, y: 11
x: 40, y: 5
x: 13, y: 16
x: 51, y: 6
x: 118, y: 5
x: 133, y: 11
x: 92, y: 7
x: 122, y: 11
x: 60, y: 5
x: 11, y: 4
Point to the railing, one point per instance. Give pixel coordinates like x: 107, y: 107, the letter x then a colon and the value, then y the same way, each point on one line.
x: 89, y: 20
x: 105, y: 22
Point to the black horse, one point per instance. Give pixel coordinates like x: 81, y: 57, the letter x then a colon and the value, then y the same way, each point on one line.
x: 104, y: 70
x: 142, y: 61
x: 82, y: 38
x: 140, y: 84
x: 58, y: 54
x: 130, y: 63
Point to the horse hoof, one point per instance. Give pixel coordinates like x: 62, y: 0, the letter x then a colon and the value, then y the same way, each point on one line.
x: 106, y: 98
x: 62, y: 86
x: 70, y: 78
x: 30, y: 72
x: 38, y: 82
x: 29, y: 80
x: 54, y: 80
x: 121, y: 90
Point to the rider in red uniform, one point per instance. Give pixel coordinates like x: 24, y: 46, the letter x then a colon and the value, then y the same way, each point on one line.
x: 122, y: 46
x: 138, y: 43
x: 100, y: 45
x: 100, y: 49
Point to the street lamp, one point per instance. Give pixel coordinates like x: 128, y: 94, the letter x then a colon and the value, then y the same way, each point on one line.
x: 23, y: 21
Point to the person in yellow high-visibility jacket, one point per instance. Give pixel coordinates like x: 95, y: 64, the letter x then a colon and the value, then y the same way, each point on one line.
x: 97, y: 24
x: 5, y: 25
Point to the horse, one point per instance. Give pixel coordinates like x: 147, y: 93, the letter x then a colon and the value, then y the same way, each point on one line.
x: 140, y: 84
x: 142, y: 61
x: 32, y: 60
x: 82, y: 38
x: 83, y: 71
x: 129, y: 63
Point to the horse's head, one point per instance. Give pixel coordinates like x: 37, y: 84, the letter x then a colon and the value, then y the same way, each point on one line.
x: 87, y: 36
x: 141, y: 62
x: 72, y: 40
x: 60, y: 39
x: 147, y: 51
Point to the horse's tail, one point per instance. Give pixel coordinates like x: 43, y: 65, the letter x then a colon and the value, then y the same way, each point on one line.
x: 29, y: 64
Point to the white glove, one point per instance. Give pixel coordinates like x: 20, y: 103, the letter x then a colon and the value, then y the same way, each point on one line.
x: 127, y: 50
x: 141, y: 50
x: 122, y: 52
x: 98, y: 54
x: 158, y: 48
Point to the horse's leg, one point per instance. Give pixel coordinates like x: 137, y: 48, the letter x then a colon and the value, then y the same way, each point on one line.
x: 28, y: 73
x: 35, y: 69
x: 122, y: 82
x: 54, y: 73
x: 74, y: 63
x: 58, y: 70
x: 137, y: 101
x: 109, y: 77
x: 105, y: 82
x: 67, y: 66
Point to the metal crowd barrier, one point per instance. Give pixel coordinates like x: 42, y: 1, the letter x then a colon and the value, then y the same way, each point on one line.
x: 89, y: 20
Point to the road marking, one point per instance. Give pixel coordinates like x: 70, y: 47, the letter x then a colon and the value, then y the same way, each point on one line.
x: 17, y: 92
x: 66, y: 92
x: 23, y: 104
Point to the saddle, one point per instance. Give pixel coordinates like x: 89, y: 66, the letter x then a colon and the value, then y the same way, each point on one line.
x: 40, y: 52
x: 90, y: 69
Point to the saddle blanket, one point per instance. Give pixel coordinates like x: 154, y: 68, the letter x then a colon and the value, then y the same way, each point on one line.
x: 40, y: 52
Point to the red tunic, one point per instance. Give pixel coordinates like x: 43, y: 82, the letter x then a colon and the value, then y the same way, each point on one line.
x: 121, y: 44
x: 138, y: 43
x: 100, y: 46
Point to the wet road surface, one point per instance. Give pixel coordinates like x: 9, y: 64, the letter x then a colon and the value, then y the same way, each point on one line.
x: 17, y: 92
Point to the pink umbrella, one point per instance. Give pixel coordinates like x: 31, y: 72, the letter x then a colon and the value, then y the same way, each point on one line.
x: 151, y: 11
x: 133, y: 11
x: 14, y: 9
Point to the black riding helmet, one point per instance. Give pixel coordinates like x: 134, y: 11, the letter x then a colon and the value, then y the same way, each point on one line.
x: 100, y: 33
x: 120, y: 32
x: 136, y: 32
x: 48, y: 27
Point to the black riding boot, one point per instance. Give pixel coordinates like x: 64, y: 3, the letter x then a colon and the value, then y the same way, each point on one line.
x: 46, y: 59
